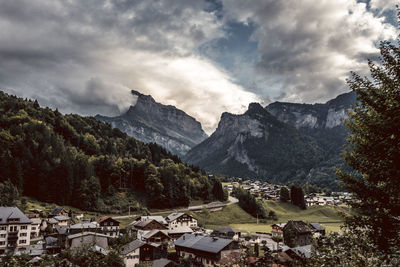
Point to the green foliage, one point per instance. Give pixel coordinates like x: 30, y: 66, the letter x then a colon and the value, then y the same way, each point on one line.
x: 8, y: 194
x: 374, y: 150
x: 297, y: 197
x: 372, y: 232
x: 79, y: 161
x: 249, y: 203
x: 284, y: 194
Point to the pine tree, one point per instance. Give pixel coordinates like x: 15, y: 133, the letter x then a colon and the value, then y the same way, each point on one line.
x: 374, y: 149
x: 284, y: 195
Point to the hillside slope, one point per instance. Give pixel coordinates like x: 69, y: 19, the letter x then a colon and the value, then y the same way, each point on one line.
x: 80, y: 161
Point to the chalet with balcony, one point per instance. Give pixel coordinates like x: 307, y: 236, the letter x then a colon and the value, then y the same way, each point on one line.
x: 109, y: 226
x: 15, y: 230
x: 181, y: 219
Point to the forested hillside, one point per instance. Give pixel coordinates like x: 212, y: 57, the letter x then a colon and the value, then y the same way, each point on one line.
x: 79, y: 161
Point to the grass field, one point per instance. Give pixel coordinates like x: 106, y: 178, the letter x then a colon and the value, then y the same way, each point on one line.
x: 236, y: 217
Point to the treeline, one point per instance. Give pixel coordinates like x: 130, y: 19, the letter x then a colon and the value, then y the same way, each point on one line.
x: 79, y: 161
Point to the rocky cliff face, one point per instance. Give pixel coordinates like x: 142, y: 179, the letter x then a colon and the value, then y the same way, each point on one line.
x: 282, y: 142
x: 255, y: 144
x: 316, y: 116
x: 149, y: 121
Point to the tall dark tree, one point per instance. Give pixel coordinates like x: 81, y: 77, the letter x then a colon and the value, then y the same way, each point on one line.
x: 374, y: 148
x: 284, y: 195
x: 297, y: 196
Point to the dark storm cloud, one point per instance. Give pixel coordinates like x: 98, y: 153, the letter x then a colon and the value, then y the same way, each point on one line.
x: 86, y: 56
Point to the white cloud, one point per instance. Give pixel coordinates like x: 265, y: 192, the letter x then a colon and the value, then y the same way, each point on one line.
x: 309, y: 47
x: 85, y: 56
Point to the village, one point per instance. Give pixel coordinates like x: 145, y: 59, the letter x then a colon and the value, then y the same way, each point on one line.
x: 164, y: 241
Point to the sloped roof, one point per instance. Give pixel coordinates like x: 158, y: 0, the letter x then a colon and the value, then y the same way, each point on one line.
x: 227, y: 229
x: 160, y: 262
x: 85, y: 234
x: 36, y: 220
x: 61, y: 230
x: 57, y: 211
x: 302, y: 251
x: 180, y: 229
x: 153, y: 232
x: 105, y: 218
x: 202, y: 243
x: 12, y: 213
x: 159, y: 219
x: 300, y: 226
x: 317, y: 226
x: 173, y: 216
x: 84, y: 225
x: 61, y: 218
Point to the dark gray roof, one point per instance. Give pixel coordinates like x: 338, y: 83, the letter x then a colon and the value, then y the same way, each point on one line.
x: 173, y: 216
x: 203, y: 243
x: 56, y: 211
x: 12, y: 213
x: 160, y: 263
x: 61, y: 230
x: 227, y: 229
x: 317, y: 226
x: 132, y: 246
x: 62, y: 218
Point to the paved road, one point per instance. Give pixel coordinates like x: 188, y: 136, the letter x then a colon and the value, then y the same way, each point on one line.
x: 232, y: 200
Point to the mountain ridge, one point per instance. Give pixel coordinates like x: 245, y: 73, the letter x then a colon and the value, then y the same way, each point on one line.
x: 153, y: 122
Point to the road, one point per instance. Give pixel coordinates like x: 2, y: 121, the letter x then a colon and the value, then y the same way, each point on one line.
x: 232, y: 200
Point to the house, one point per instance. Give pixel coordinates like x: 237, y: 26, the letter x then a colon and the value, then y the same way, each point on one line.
x: 62, y: 220
x: 98, y: 241
x: 159, y: 219
x: 35, y: 227
x: 205, y: 250
x: 181, y: 219
x: 297, y: 233
x: 84, y: 227
x: 109, y: 226
x: 301, y: 253
x: 58, y: 212
x: 179, y: 231
x: 148, y: 225
x: 227, y: 232
x: 318, y: 229
x: 139, y: 251
x: 277, y: 230
x: 52, y: 245
x: 15, y: 230
x: 154, y: 236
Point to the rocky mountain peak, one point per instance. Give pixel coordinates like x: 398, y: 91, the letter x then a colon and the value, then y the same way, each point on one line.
x: 166, y: 125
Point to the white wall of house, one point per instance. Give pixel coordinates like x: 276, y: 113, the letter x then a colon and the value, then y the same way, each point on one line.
x: 22, y: 232
x: 132, y: 258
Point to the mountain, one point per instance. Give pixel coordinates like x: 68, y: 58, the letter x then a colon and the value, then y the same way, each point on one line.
x: 80, y: 161
x: 256, y: 144
x: 152, y: 122
x: 283, y: 142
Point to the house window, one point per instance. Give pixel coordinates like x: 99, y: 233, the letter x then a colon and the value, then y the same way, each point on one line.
x: 3, y: 236
x: 33, y: 228
x: 13, y: 228
x: 23, y: 241
x: 22, y: 234
x: 24, y: 227
x: 2, y: 228
x: 2, y: 243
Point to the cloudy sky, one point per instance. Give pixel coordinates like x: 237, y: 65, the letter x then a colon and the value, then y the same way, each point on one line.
x: 203, y: 56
